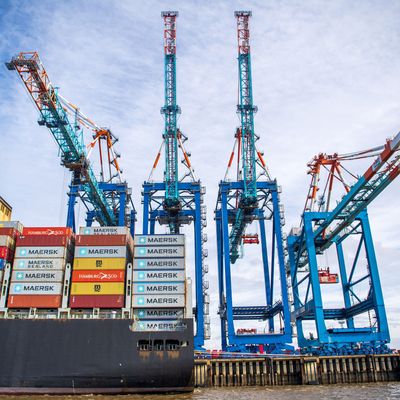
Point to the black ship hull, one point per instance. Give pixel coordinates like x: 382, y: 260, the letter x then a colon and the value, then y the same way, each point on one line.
x: 92, y: 356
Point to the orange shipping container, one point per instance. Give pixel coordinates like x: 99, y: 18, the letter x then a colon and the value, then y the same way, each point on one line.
x: 37, y: 301
x: 98, y: 276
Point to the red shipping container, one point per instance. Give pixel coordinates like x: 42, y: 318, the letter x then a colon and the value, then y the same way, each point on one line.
x: 9, y: 232
x: 115, y: 275
x: 34, y: 301
x: 43, y: 240
x: 101, y: 240
x: 48, y: 231
x: 93, y: 301
x: 6, y: 253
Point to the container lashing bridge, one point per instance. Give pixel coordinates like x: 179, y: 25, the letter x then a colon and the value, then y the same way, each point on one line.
x: 106, y: 197
x: 177, y: 200
x: 252, y: 196
x: 360, y: 326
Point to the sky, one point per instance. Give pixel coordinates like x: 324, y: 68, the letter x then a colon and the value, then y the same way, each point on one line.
x: 325, y: 79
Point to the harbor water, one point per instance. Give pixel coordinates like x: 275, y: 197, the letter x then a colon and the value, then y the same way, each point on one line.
x: 375, y: 391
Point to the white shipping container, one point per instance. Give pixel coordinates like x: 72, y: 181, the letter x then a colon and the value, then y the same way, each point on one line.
x: 158, y: 313
x: 159, y: 251
x: 36, y: 288
x: 157, y: 240
x: 41, y: 252
x: 159, y: 288
x: 100, y: 251
x: 39, y: 263
x: 37, y: 276
x: 159, y: 263
x: 158, y: 326
x: 6, y: 241
x: 103, y: 230
x: 158, y: 301
x: 158, y: 276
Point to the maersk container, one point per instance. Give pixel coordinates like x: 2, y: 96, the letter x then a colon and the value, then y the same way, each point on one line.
x: 159, y: 288
x: 158, y: 301
x: 43, y: 240
x: 94, y: 301
x: 12, y: 224
x: 37, y: 276
x: 97, y: 288
x: 103, y: 230
x: 41, y: 252
x: 7, y: 241
x: 158, y: 326
x: 159, y: 251
x: 47, y: 231
x: 159, y: 263
x: 158, y: 276
x: 99, y: 263
x: 39, y: 263
x: 100, y: 251
x: 158, y: 313
x: 34, y: 301
x: 98, y: 276
x: 36, y: 288
x: 157, y: 240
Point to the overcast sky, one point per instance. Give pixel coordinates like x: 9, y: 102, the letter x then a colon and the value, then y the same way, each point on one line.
x: 325, y: 74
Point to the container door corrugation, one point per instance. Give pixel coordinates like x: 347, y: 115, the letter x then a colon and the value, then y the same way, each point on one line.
x: 159, y: 276
x: 159, y: 251
x: 94, y: 301
x: 159, y: 288
x: 36, y: 288
x: 158, y: 301
x: 41, y: 252
x: 98, y: 288
x: 39, y: 263
x: 157, y: 240
x: 37, y: 276
x: 99, y: 263
x: 158, y: 264
x: 98, y: 276
x: 101, y: 251
x: 36, y: 301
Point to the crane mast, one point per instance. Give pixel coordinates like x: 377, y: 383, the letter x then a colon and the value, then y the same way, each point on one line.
x: 53, y: 109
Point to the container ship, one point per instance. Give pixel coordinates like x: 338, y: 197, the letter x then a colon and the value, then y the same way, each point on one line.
x: 96, y: 312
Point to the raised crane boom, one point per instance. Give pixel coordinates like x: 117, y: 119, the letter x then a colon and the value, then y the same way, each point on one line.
x: 54, y: 115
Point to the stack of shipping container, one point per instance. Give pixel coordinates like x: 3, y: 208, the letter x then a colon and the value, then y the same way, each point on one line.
x: 41, y: 255
x: 99, y: 269
x: 159, y: 290
x: 9, y: 230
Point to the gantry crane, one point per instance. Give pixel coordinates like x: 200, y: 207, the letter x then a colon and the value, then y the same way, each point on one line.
x: 177, y: 200
x: 252, y: 197
x: 360, y: 325
x: 106, y: 197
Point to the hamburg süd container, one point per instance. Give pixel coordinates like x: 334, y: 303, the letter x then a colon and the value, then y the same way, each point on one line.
x: 157, y: 240
x: 37, y: 276
x: 39, y: 263
x: 47, y: 231
x: 94, y: 301
x: 97, y: 288
x: 44, y: 288
x: 104, y: 230
x: 99, y: 263
x: 98, y: 276
x: 159, y: 288
x: 158, y: 301
x: 37, y: 301
x: 160, y: 263
x: 41, y: 252
x: 158, y: 276
x: 101, y: 251
x: 158, y: 313
x: 159, y: 251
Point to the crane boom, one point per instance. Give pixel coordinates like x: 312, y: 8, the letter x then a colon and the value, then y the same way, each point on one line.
x: 54, y: 116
